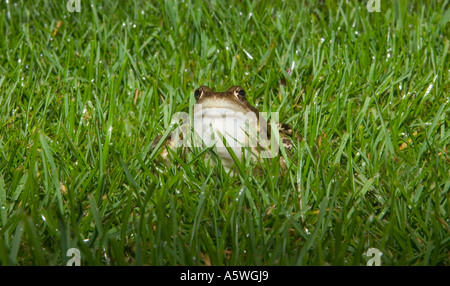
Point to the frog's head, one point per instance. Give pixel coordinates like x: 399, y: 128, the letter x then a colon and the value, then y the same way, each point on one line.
x: 233, y: 99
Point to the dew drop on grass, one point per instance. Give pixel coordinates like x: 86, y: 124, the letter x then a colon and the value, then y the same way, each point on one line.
x: 430, y: 87
x: 248, y: 54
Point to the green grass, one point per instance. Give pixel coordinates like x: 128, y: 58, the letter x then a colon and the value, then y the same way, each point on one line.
x: 82, y: 101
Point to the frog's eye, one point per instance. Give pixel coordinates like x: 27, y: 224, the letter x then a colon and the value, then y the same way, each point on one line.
x: 198, y: 93
x: 241, y: 92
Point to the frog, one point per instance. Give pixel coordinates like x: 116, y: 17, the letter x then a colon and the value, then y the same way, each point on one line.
x: 232, y: 127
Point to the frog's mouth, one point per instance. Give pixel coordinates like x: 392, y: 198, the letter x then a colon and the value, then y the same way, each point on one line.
x: 224, y: 103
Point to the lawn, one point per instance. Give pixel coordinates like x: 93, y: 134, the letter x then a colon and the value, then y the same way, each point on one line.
x: 84, y: 94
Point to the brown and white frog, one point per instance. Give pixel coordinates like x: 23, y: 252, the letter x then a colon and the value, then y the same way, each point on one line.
x: 227, y: 122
